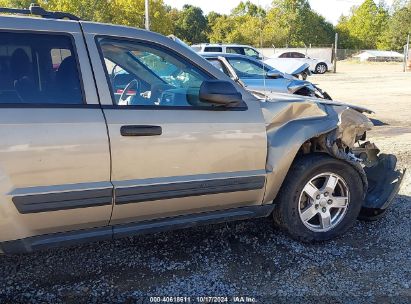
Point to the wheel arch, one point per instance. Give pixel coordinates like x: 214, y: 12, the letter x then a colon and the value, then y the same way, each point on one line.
x: 294, y: 128
x: 284, y: 146
x: 315, y: 144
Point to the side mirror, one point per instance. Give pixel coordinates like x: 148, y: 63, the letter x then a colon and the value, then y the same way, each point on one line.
x: 220, y: 92
x: 274, y: 74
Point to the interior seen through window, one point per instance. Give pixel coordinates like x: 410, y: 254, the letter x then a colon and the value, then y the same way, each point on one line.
x: 144, y: 75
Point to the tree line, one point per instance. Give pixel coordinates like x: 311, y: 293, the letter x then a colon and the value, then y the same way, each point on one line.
x: 284, y: 23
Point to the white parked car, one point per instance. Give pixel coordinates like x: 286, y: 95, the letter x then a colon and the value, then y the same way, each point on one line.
x: 318, y: 66
x: 228, y: 49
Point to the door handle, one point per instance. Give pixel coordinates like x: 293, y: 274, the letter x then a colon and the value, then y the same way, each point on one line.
x: 140, y: 130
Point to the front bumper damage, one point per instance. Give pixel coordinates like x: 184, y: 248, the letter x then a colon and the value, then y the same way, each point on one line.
x: 381, y: 178
x: 384, y: 182
x: 303, y: 126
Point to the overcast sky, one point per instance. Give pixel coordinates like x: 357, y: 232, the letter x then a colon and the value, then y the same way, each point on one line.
x: 330, y: 9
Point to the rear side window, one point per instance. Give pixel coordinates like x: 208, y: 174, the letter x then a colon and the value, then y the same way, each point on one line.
x: 297, y: 55
x: 213, y: 49
x: 38, y: 69
x: 285, y: 55
x: 235, y: 50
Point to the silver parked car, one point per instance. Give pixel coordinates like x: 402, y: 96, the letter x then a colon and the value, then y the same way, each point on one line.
x: 231, y: 48
x: 254, y: 75
x: 109, y: 131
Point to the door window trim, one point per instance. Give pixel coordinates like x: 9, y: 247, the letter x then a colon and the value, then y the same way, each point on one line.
x: 84, y: 103
x: 113, y: 106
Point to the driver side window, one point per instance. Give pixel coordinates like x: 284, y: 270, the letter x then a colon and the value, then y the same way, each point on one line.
x: 144, y: 75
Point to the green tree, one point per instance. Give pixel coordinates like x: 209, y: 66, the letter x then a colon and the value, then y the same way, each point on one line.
x: 244, y: 25
x: 131, y: 13
x: 364, y: 28
x: 125, y: 12
x: 220, y: 29
x: 287, y: 22
x: 274, y: 31
x: 301, y: 24
x: 399, y: 26
x: 94, y: 10
x: 248, y: 8
x: 191, y: 25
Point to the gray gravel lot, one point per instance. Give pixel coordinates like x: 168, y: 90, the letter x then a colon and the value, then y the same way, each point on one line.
x: 369, y: 264
x: 242, y: 258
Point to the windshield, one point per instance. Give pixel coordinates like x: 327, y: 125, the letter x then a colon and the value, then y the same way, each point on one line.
x: 245, y: 68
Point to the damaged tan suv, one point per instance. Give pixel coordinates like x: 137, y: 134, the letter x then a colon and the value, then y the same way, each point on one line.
x: 109, y: 131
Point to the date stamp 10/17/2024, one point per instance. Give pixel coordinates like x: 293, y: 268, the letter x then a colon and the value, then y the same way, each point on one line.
x: 202, y: 299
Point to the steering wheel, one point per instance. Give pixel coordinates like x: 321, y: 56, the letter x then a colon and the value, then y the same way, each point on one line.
x: 124, y: 99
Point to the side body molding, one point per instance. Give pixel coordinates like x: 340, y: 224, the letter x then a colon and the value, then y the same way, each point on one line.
x: 113, y: 232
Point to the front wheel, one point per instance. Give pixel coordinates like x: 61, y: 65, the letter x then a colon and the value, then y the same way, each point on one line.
x: 320, y: 199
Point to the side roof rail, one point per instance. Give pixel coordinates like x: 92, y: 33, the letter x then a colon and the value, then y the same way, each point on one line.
x: 37, y: 10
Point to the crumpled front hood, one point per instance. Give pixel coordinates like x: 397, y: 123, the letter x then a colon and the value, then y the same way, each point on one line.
x: 348, y: 123
x: 279, y: 113
x: 273, y: 97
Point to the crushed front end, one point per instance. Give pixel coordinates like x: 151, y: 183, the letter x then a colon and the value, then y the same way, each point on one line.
x: 381, y: 179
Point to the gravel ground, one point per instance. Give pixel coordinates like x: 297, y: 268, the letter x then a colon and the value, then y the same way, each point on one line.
x: 371, y: 263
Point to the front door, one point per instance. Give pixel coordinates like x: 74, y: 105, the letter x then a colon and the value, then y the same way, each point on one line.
x: 171, y: 153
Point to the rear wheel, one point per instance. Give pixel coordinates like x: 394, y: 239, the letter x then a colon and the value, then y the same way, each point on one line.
x: 320, y: 199
x: 321, y: 68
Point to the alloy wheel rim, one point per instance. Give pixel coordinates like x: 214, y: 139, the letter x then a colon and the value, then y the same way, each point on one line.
x: 321, y: 68
x: 323, y: 202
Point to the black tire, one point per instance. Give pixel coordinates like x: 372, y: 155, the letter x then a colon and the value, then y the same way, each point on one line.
x: 321, y: 68
x: 286, y: 213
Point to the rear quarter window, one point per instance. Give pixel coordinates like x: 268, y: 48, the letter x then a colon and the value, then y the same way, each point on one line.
x: 213, y: 49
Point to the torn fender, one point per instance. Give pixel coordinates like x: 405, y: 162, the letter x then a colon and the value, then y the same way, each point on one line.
x: 289, y: 125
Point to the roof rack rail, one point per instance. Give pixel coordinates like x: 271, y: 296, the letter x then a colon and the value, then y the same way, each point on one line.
x: 37, y: 10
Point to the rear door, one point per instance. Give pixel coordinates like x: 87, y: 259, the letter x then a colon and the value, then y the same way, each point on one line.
x: 172, y: 154
x: 54, y: 152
